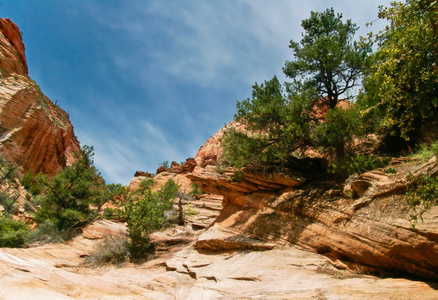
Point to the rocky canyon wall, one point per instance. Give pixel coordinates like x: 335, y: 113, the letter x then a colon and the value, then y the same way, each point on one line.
x: 364, y: 221
x: 33, y: 130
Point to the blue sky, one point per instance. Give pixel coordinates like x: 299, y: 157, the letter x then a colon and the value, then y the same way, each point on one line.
x: 146, y: 81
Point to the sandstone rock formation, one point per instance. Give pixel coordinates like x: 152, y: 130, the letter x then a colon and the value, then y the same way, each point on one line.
x: 32, y: 129
x: 211, y: 151
x: 58, y: 271
x: 177, y: 172
x: 372, y: 230
x: 12, y: 58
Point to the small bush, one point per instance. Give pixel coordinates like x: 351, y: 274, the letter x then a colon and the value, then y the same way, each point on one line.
x: 426, y: 151
x: 390, y: 170
x: 9, y: 203
x: 238, y: 175
x: 47, y: 232
x: 362, y: 163
x: 70, y: 198
x: 167, y: 193
x: 422, y: 195
x: 13, y: 233
x: 26, y: 181
x: 196, y: 190
x: 113, y: 250
x: 142, y: 217
x: 190, y: 211
x: 111, y: 213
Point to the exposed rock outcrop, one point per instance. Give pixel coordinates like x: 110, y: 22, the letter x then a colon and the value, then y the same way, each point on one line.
x: 12, y: 58
x: 33, y: 130
x: 372, y: 230
x: 58, y: 271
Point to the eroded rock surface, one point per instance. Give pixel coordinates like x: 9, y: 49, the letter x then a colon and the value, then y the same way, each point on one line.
x: 12, y: 57
x: 33, y: 130
x: 179, y: 271
x: 372, y: 230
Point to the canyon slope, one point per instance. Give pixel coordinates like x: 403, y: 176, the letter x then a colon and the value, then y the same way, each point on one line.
x: 34, y: 132
x: 363, y: 222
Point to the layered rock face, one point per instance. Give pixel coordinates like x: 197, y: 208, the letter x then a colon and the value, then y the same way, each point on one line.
x: 364, y: 221
x: 33, y: 130
x: 12, y: 58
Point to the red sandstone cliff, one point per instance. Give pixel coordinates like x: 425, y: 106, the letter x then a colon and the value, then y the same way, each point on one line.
x: 364, y: 221
x: 12, y: 58
x: 31, y: 126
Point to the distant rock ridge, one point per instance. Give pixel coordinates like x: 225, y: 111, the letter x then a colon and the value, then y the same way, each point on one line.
x: 33, y: 130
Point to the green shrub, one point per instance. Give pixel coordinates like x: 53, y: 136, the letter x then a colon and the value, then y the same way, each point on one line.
x: 362, y: 163
x: 48, y: 232
x: 426, y: 151
x: 142, y: 217
x: 8, y: 202
x: 390, y: 170
x: 113, y: 250
x: 401, y: 83
x: 26, y: 180
x: 195, y: 190
x: 111, y: 213
x: 13, y: 233
x: 145, y: 186
x: 335, y: 135
x: 143, y: 213
x: 422, y: 195
x: 167, y: 193
x: 69, y: 200
x: 190, y: 211
x: 38, y: 184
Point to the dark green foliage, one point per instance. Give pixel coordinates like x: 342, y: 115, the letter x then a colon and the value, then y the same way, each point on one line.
x: 8, y: 172
x: 9, y: 203
x: 401, y: 86
x: 145, y: 186
x: 359, y: 164
x: 8, y: 169
x: 143, y: 214
x: 109, y: 194
x: 278, y: 124
x: 195, y: 190
x: 13, y: 233
x: 282, y: 123
x: 68, y: 199
x: 142, y: 217
x: 327, y: 58
x: 112, y: 213
x: 422, y: 195
x: 167, y: 193
x: 34, y: 184
x: 26, y: 180
x: 335, y: 134
x: 390, y: 170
